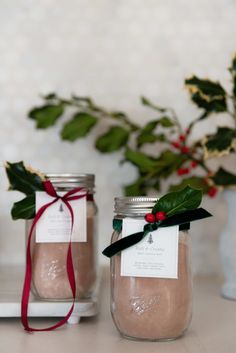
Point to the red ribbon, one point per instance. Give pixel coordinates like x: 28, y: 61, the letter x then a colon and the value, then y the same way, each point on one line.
x: 69, y: 196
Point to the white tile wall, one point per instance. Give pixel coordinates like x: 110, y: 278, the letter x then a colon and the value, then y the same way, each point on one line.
x: 114, y: 51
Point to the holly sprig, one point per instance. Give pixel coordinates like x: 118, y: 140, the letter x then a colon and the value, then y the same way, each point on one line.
x: 175, y: 208
x: 174, y: 203
x: 177, y: 154
x: 27, y: 181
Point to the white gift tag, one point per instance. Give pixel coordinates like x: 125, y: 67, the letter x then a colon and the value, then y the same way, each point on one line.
x: 54, y: 226
x: 156, y: 255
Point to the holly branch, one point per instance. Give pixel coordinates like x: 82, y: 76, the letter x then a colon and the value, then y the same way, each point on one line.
x: 175, y: 153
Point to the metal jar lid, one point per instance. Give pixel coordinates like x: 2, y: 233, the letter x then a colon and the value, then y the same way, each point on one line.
x: 134, y: 205
x: 72, y: 180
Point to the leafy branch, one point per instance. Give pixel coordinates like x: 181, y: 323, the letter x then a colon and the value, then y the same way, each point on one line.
x: 176, y: 154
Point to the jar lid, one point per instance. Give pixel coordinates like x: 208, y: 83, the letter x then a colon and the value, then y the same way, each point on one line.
x: 72, y: 179
x: 134, y: 205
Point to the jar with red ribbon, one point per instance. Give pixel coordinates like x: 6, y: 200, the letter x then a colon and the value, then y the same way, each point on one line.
x: 52, y: 235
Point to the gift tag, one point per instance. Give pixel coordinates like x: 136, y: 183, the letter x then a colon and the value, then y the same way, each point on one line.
x: 156, y: 255
x: 54, y: 225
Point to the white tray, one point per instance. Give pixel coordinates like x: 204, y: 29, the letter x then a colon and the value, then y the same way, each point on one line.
x: 11, y: 279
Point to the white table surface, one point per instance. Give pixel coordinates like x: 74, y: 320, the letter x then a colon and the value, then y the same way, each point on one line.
x: 213, y: 329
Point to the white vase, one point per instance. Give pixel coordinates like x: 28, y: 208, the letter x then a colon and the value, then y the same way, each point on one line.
x: 228, y: 247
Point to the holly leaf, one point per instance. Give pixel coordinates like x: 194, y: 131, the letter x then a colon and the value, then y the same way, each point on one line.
x: 179, y: 201
x: 224, y: 178
x: 50, y: 96
x: 146, y: 135
x: 24, y: 209
x: 148, y: 103
x: 193, y: 181
x: 114, y: 139
x: 142, y: 161
x: 206, y: 94
x: 205, y: 86
x: 46, y: 115
x: 169, y: 162
x: 220, y: 143
x: 166, y: 122
x: 159, y: 167
x: 79, y: 126
x: 23, y: 179
x: 144, y: 138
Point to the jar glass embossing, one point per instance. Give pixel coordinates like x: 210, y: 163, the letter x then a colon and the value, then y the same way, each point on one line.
x: 147, y: 308
x: 49, y: 276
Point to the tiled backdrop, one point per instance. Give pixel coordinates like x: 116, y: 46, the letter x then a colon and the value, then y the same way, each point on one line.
x: 114, y: 51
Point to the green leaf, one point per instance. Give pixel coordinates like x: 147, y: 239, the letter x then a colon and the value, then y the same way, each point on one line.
x: 207, y: 94
x: 24, y: 209
x: 46, y: 115
x: 146, y: 135
x: 159, y: 167
x: 224, y: 178
x: 193, y: 181
x: 207, y: 87
x: 150, y: 126
x: 169, y: 162
x: 79, y: 126
x: 217, y: 105
x: 166, y: 122
x: 114, y: 139
x: 50, y: 96
x: 144, y: 138
x: 148, y: 103
x: 135, y: 189
x: 179, y: 201
x: 142, y: 161
x: 23, y: 179
x: 220, y: 143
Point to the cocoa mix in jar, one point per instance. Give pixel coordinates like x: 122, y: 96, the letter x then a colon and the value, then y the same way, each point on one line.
x: 153, y: 308
x: 49, y: 277
x: 150, y: 308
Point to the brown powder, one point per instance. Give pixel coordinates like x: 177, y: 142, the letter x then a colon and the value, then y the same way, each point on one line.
x: 153, y: 308
x: 50, y: 279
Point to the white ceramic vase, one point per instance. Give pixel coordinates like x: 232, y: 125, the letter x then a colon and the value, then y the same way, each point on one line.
x: 228, y: 247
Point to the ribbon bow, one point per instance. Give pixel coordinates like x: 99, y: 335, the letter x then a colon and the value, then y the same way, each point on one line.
x: 182, y: 219
x: 69, y: 196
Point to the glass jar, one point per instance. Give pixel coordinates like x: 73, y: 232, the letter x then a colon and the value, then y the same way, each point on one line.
x: 49, y: 277
x: 147, y: 308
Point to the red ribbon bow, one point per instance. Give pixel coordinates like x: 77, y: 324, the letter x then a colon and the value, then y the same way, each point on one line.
x: 69, y: 196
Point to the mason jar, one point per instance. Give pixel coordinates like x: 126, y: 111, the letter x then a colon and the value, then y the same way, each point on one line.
x: 49, y: 270
x: 145, y: 308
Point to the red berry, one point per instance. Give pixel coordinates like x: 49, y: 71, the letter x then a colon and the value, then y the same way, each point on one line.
x: 194, y: 164
x: 185, y: 149
x: 182, y: 171
x: 176, y: 144
x: 150, y: 218
x: 160, y: 216
x: 212, y: 191
x: 182, y: 138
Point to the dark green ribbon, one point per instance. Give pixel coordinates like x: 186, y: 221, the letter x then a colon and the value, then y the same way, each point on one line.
x: 182, y: 219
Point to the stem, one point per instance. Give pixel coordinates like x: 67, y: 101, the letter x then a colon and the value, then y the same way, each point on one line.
x: 175, y: 117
